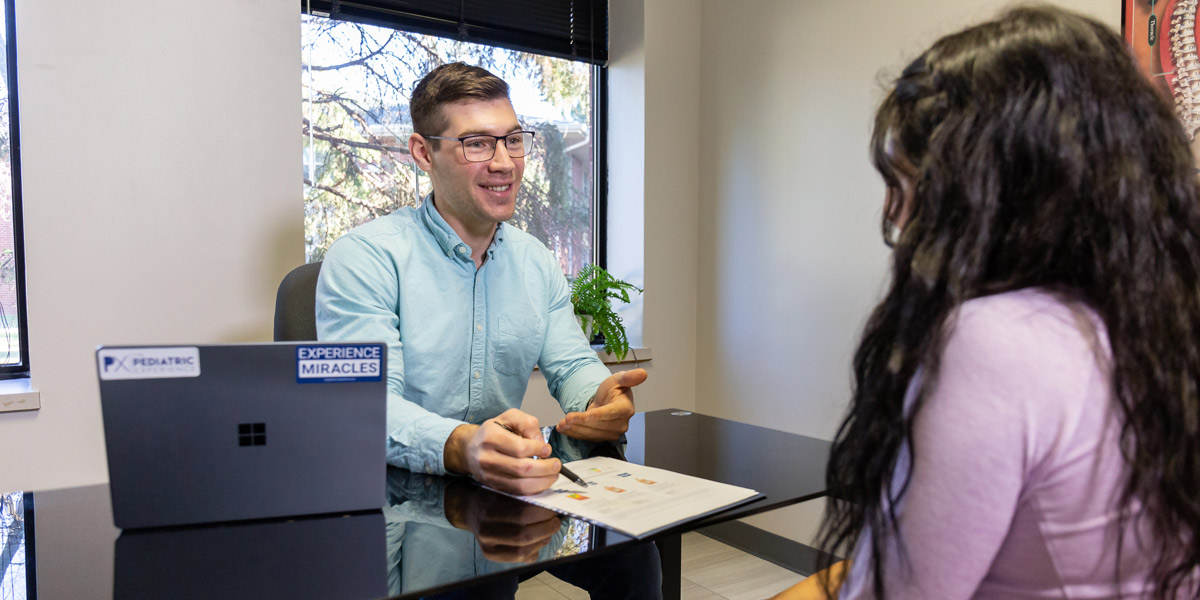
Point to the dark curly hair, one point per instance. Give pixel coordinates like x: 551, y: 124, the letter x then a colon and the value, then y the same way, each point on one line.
x: 1043, y: 158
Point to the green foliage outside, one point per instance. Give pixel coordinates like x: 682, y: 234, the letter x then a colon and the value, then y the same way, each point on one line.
x: 592, y: 293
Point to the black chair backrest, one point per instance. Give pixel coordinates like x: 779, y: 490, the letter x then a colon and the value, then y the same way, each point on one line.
x: 296, y: 305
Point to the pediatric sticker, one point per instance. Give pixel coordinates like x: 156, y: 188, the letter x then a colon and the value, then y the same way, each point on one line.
x: 148, y: 363
x: 339, y: 363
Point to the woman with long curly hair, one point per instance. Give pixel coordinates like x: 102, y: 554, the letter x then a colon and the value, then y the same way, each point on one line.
x: 1025, y: 420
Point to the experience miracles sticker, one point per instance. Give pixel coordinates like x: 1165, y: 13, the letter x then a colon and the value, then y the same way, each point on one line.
x: 148, y: 363
x: 340, y: 363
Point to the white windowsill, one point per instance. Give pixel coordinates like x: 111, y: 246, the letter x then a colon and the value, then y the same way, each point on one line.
x: 18, y: 395
x: 635, y: 355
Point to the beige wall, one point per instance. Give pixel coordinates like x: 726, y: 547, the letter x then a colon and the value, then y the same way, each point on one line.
x: 161, y: 172
x: 789, y: 207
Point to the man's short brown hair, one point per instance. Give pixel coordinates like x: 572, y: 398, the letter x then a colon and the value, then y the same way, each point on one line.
x: 448, y: 83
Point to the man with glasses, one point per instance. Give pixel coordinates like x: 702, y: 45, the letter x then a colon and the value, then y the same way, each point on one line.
x: 469, y: 304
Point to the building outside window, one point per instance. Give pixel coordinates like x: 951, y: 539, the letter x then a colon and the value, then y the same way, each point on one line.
x: 356, y: 82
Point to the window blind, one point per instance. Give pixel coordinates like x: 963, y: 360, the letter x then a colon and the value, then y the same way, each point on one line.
x: 570, y: 29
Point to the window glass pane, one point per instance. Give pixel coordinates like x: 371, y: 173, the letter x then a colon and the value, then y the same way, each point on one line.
x: 10, y: 348
x: 356, y: 83
x: 13, y: 582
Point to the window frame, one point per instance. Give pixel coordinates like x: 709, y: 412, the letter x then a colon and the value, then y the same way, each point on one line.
x: 20, y: 369
x: 600, y: 166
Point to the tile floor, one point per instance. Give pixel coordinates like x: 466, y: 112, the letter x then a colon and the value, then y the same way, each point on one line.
x: 711, y: 571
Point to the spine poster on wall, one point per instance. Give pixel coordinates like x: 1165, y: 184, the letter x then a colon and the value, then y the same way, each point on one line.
x: 1163, y: 36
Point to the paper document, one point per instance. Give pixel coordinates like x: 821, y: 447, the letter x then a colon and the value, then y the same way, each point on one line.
x: 634, y: 499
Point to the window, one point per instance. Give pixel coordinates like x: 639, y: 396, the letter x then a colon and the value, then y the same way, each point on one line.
x: 14, y: 339
x: 15, y: 581
x: 356, y: 81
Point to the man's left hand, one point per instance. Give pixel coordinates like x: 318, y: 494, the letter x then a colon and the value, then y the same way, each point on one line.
x: 607, y: 416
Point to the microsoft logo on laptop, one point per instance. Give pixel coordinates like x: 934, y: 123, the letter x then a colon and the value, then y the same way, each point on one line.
x: 252, y: 434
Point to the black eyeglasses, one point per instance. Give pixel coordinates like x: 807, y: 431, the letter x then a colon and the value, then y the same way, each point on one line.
x: 481, y: 148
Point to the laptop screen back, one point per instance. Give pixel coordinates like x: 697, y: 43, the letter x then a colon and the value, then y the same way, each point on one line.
x: 201, y: 434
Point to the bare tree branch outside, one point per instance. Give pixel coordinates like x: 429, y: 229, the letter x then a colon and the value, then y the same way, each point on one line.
x: 356, y: 83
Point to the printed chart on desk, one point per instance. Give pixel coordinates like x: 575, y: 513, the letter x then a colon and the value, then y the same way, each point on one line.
x: 637, y: 500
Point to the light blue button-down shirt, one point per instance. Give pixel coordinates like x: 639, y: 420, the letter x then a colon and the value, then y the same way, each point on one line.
x: 461, y: 342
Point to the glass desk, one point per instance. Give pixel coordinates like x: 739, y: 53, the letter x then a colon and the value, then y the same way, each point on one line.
x: 435, y: 537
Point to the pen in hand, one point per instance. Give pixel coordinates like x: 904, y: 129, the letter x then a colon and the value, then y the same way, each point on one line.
x: 562, y: 468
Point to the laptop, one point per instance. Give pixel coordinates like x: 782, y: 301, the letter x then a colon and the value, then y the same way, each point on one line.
x: 230, y: 432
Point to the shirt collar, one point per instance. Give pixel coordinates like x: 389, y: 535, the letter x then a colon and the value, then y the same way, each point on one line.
x: 446, y: 237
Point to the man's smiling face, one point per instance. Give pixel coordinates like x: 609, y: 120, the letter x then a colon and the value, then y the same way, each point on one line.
x: 477, y: 195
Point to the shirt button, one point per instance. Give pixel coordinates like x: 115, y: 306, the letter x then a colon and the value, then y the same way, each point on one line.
x: 428, y: 469
x: 462, y: 249
x: 476, y: 374
x: 479, y: 327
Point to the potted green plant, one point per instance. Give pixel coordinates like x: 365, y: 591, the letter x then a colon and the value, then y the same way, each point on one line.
x: 592, y: 293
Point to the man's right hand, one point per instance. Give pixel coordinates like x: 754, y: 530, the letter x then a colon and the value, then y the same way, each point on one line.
x: 501, y: 459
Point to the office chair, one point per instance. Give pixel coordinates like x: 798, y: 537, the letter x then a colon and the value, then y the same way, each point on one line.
x: 295, y: 305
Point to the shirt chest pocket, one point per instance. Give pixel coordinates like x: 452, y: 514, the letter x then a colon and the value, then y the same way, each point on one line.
x: 518, y: 345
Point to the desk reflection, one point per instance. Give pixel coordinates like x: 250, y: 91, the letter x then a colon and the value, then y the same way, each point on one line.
x: 324, y: 557
x: 444, y: 530
x: 435, y: 535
